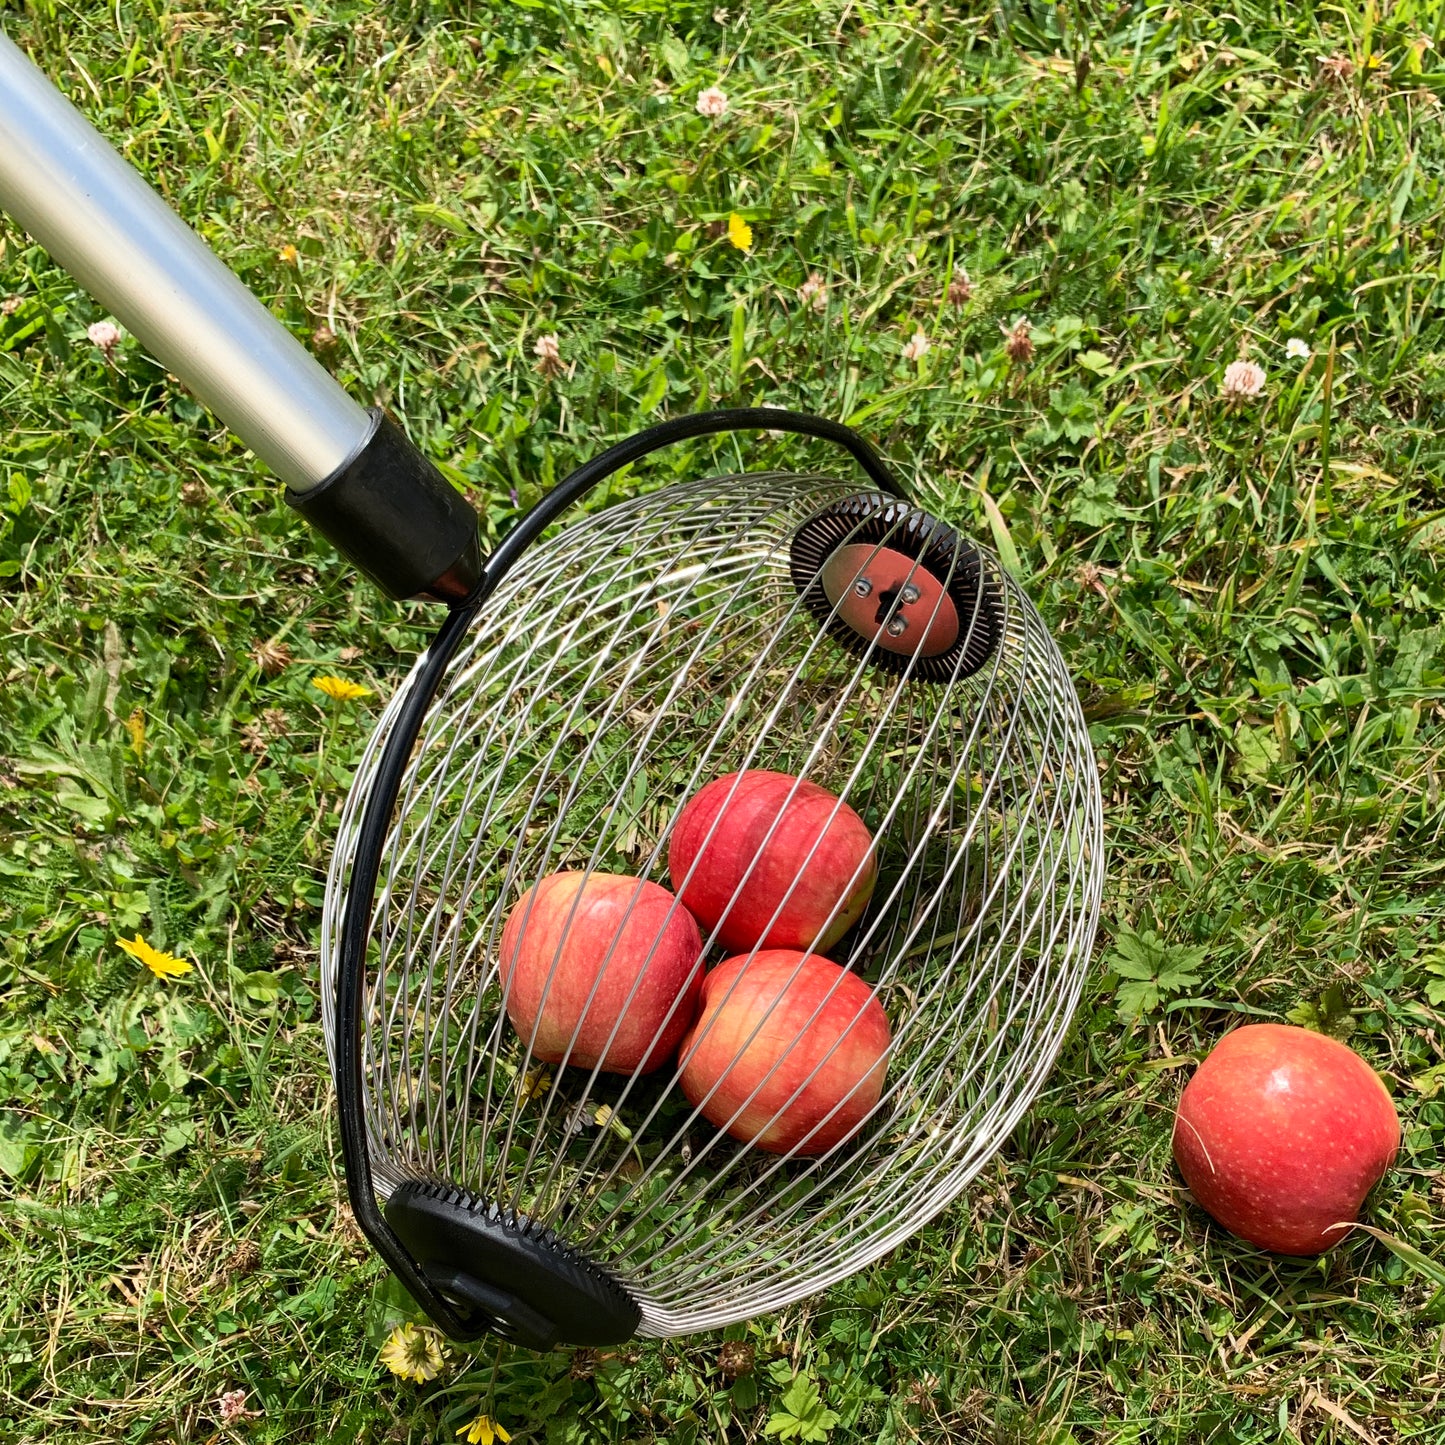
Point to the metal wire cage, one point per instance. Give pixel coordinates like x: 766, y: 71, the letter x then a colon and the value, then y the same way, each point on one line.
x: 617, y: 666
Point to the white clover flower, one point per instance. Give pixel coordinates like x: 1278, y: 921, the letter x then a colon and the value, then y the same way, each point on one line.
x: 917, y: 348
x: 1243, y: 379
x: 814, y: 292
x: 712, y: 102
x: 231, y: 1408
x: 548, y: 351
x: 105, y: 335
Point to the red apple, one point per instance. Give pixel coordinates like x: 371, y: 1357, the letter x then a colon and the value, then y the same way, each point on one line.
x: 778, y: 1024
x: 1280, y: 1135
x: 815, y: 861
x: 614, y: 961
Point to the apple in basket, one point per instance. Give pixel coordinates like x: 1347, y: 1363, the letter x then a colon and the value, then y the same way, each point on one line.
x: 766, y: 860
x: 1281, y: 1134
x: 788, y: 1052
x: 599, y: 970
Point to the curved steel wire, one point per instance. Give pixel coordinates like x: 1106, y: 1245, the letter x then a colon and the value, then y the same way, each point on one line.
x: 624, y: 662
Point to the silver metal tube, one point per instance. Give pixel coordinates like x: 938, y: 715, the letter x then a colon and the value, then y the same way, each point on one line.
x: 100, y: 221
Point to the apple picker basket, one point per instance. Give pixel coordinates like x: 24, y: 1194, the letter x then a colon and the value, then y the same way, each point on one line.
x: 591, y: 674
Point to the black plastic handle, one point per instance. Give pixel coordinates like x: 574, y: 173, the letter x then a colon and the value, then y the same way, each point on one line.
x: 394, y: 517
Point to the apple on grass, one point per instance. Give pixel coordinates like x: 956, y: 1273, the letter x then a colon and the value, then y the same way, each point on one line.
x: 600, y: 970
x: 756, y: 844
x: 1281, y: 1134
x: 788, y: 1053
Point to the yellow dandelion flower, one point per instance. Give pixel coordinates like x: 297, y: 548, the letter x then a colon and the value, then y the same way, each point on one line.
x: 740, y: 234
x: 135, y: 725
x: 163, y: 965
x: 340, y: 689
x: 604, y: 1118
x: 535, y: 1082
x: 483, y: 1430
x: 413, y: 1353
x: 288, y: 255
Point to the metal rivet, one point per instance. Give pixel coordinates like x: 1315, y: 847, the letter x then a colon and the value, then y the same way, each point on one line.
x: 909, y: 595
x: 897, y: 626
x: 862, y: 587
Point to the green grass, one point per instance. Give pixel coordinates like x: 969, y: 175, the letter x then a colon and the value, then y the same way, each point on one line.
x: 1250, y: 597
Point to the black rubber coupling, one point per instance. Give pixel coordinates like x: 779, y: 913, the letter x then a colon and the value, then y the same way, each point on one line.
x: 393, y: 515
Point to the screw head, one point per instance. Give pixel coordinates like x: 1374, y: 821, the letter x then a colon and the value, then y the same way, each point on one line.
x: 896, y: 627
x: 909, y: 595
x: 862, y: 587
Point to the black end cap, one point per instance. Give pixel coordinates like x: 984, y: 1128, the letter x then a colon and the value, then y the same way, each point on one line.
x: 525, y: 1283
x: 391, y: 514
x: 877, y: 519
